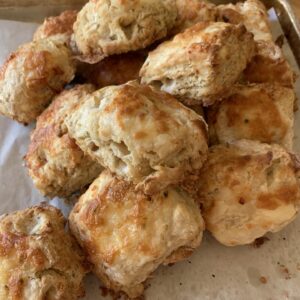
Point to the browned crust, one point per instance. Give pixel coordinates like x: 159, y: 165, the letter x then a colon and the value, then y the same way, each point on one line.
x: 62, y: 24
x: 269, y: 65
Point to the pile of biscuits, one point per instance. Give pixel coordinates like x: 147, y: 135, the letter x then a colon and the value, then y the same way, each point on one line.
x: 169, y: 117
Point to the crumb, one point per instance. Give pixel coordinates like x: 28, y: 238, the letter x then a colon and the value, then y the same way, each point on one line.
x: 189, y: 262
x: 213, y: 275
x: 263, y: 280
x: 284, y: 238
x: 171, y: 265
x: 260, y: 241
x: 285, y: 272
x: 180, y: 283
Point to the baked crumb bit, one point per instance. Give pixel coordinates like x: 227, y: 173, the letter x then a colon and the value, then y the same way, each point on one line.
x: 263, y: 280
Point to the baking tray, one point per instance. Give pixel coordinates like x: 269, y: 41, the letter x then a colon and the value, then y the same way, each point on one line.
x: 36, y: 11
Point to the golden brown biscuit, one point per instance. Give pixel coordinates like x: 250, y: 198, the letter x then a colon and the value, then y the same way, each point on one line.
x: 114, y: 70
x: 62, y: 24
x: 191, y: 12
x: 141, y: 134
x: 39, y: 259
x: 111, y: 27
x: 247, y: 189
x: 263, y: 112
x: 55, y: 163
x: 201, y: 63
x: 251, y: 13
x: 269, y: 65
x: 128, y: 234
x: 32, y: 76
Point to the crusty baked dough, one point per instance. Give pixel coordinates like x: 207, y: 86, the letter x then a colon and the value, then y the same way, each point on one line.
x: 111, y: 27
x: 269, y: 65
x: 32, y: 76
x: 113, y: 70
x: 263, y: 112
x: 247, y: 189
x: 55, y: 163
x: 191, y: 12
x: 202, y: 63
x: 58, y: 25
x: 128, y: 234
x: 39, y: 260
x: 251, y: 13
x: 141, y: 134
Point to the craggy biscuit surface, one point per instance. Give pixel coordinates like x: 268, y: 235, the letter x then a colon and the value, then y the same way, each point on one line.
x: 58, y: 25
x: 251, y: 13
x: 263, y: 112
x: 111, y: 27
x: 56, y: 164
x: 32, y: 76
x: 38, y: 258
x: 191, y: 12
x: 200, y: 64
x: 141, y: 134
x: 128, y: 234
x: 269, y: 65
x: 247, y: 189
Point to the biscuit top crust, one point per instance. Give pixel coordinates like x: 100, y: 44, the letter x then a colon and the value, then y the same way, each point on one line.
x: 196, y: 41
x: 62, y: 24
x: 202, y: 63
x: 263, y: 112
x: 39, y: 259
x: 137, y: 131
x: 191, y: 12
x: 251, y: 13
x: 248, y: 188
x: 128, y: 234
x: 111, y: 27
x: 32, y: 76
x: 56, y: 164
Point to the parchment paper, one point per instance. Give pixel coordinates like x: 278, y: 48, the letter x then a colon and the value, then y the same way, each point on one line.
x: 271, y: 271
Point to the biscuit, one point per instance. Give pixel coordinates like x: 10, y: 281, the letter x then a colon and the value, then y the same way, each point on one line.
x: 111, y: 27
x: 141, y: 134
x: 55, y: 163
x: 247, y: 189
x: 200, y: 64
x: 38, y: 258
x: 32, y: 76
x: 128, y: 234
x: 113, y: 70
x: 191, y: 12
x: 58, y: 25
x: 269, y: 65
x: 251, y: 13
x: 263, y: 112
